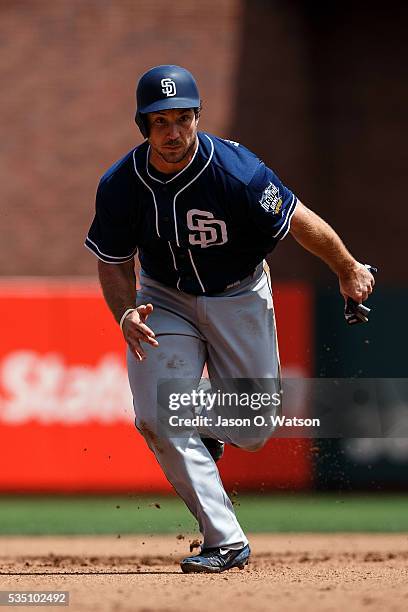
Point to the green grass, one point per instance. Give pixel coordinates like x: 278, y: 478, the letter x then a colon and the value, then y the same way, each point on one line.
x: 267, y: 513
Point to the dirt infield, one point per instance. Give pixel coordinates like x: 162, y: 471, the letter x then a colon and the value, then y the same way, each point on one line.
x: 287, y: 573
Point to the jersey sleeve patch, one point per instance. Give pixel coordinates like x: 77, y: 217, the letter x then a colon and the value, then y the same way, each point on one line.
x: 111, y: 236
x: 271, y: 203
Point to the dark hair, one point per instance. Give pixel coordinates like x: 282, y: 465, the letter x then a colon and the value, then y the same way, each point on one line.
x: 197, y: 110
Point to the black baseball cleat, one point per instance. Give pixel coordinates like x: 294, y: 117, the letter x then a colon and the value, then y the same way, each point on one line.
x: 216, y: 560
x: 214, y: 447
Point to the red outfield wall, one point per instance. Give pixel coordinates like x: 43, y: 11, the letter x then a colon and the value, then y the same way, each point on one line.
x: 66, y: 417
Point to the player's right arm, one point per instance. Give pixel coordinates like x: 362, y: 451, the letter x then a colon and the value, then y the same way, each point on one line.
x: 118, y: 284
x: 112, y: 237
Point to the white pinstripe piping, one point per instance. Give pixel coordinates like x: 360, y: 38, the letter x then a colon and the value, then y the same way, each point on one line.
x: 175, y: 266
x: 113, y: 263
x: 174, y: 259
x: 151, y: 191
x: 176, y: 175
x: 188, y: 185
x: 287, y: 220
x: 195, y: 270
x: 105, y: 254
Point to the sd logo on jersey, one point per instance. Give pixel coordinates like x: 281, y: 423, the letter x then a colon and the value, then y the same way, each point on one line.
x: 271, y: 200
x: 207, y: 231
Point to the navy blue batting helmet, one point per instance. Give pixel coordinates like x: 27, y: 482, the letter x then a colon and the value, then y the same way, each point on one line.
x: 165, y: 87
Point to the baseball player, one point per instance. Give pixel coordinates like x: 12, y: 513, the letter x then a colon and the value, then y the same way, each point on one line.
x: 201, y: 213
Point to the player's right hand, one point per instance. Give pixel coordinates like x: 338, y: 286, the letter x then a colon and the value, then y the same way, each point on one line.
x: 136, y: 331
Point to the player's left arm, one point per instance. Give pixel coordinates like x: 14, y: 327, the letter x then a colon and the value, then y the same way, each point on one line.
x: 318, y: 237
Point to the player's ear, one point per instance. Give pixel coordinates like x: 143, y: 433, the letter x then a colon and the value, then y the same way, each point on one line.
x: 197, y: 112
x: 142, y: 122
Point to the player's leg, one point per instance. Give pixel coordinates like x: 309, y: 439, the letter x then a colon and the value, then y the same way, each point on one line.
x: 184, y: 459
x: 242, y: 344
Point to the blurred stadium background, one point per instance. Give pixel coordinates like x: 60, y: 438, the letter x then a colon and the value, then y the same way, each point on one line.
x: 319, y: 91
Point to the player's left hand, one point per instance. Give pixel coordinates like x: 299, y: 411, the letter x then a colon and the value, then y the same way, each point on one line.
x: 356, y: 282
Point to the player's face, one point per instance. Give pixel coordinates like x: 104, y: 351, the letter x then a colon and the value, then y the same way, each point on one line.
x: 172, y: 138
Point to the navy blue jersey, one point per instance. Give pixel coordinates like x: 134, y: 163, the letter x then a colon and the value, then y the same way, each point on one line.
x: 202, y: 229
